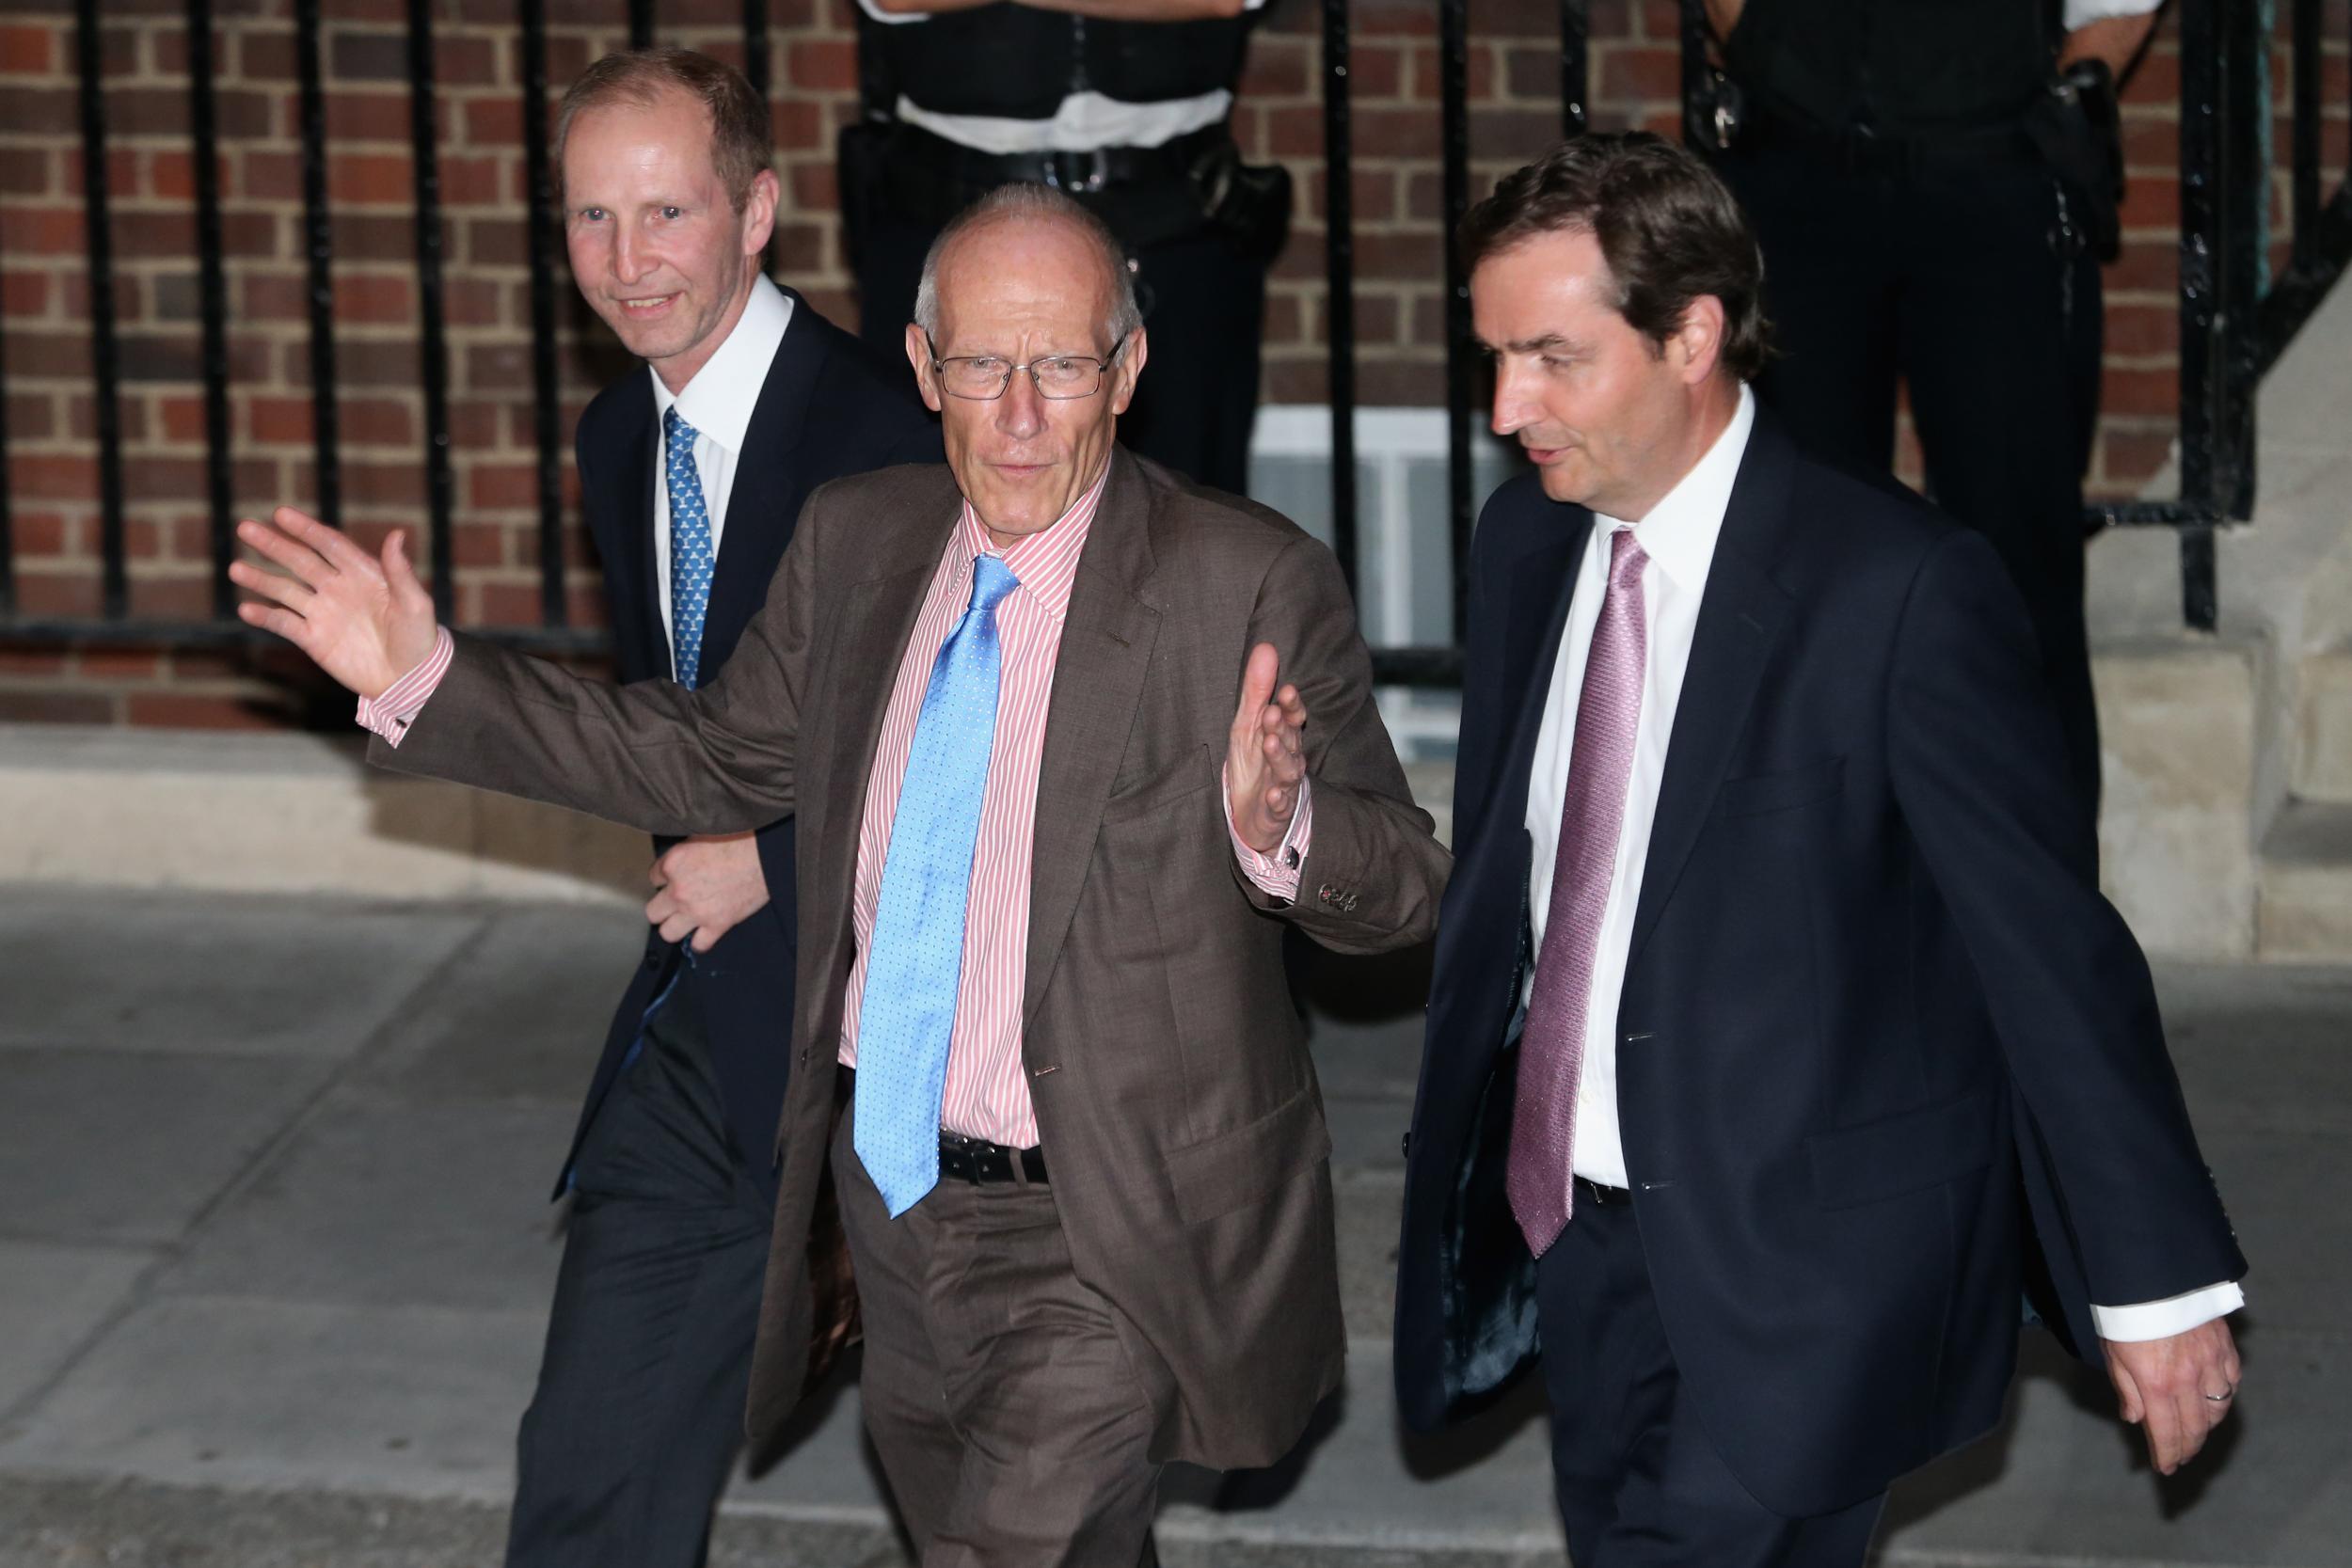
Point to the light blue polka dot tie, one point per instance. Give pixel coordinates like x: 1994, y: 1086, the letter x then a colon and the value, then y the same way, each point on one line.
x: 693, y: 556
x: 909, y: 1010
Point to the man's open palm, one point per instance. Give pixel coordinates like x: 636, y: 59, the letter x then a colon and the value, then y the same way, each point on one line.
x: 363, y: 619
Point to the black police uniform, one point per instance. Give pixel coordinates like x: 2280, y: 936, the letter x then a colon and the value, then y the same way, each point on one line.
x: 1199, y: 225
x: 1914, y: 225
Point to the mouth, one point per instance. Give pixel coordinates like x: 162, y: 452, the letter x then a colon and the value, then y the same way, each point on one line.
x: 1543, y: 456
x: 648, y: 308
x: 1020, y: 470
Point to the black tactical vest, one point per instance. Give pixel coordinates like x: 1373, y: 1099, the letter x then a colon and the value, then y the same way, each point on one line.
x: 1900, y: 66
x: 1016, y: 62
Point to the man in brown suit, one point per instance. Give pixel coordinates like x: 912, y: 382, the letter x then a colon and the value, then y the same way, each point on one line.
x: 1128, y: 1254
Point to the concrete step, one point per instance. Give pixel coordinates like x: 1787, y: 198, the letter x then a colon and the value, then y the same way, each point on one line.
x: 2305, y: 893
x: 2323, y: 750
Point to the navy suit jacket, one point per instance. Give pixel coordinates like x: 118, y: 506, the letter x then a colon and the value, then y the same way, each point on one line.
x: 1879, y: 1035
x: 830, y: 408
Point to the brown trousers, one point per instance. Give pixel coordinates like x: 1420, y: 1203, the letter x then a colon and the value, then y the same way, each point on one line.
x: 1010, y: 1425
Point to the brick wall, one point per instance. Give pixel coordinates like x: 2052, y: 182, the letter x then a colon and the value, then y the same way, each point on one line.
x: 45, y: 296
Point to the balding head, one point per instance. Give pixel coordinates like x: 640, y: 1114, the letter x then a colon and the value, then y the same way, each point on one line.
x: 1027, y: 304
x: 1036, y: 204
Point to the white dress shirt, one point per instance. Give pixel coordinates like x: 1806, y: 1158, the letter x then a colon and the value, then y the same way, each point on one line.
x: 718, y: 402
x: 1679, y: 537
x: 1084, y: 121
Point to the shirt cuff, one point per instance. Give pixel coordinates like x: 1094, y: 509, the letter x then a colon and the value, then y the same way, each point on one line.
x: 891, y: 19
x: 390, y: 714
x: 2081, y: 11
x: 1276, y: 875
x: 2161, y: 1320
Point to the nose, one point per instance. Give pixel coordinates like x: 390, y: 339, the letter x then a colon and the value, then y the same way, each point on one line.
x: 1513, y: 409
x: 630, y: 259
x: 1021, y: 412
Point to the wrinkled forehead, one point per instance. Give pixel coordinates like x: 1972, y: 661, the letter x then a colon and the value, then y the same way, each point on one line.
x: 1030, y: 278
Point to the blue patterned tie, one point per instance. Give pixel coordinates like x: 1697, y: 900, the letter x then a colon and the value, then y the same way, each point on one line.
x: 909, y: 1010
x: 691, y: 553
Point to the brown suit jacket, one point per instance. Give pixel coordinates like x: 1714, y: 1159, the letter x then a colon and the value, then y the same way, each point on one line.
x: 1175, y: 1094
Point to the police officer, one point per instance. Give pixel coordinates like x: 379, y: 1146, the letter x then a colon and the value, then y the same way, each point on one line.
x: 1934, y: 185
x: 1123, y: 105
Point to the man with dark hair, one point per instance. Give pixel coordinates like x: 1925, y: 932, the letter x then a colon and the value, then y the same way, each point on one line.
x: 1042, y: 716
x: 1934, y: 186
x: 692, y: 473
x: 1776, y: 1017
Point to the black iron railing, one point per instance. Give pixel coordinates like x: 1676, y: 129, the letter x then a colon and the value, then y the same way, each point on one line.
x: 2233, y: 319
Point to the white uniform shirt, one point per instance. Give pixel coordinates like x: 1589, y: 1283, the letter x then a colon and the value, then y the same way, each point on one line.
x: 1085, y: 121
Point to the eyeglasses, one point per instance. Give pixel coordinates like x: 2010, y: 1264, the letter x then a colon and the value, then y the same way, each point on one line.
x: 985, y: 377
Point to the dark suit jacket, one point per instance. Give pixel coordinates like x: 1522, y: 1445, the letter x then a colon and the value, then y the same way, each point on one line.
x: 1175, y: 1094
x: 830, y: 408
x: 1871, y: 984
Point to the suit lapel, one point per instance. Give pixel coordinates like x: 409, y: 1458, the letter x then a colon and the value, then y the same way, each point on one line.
x: 878, y: 617
x: 1106, y: 646
x: 1543, y: 587
x: 763, y: 503
x: 1741, y: 617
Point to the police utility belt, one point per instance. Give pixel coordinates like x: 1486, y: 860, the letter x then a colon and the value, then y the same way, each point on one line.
x: 1193, y: 183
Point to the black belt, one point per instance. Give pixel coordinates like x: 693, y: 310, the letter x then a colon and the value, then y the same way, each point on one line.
x: 1081, y: 173
x: 1860, y: 150
x: 1600, y: 1196
x: 980, y: 1161
x: 973, y: 1160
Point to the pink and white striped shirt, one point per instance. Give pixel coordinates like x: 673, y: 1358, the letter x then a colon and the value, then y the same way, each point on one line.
x: 986, y: 1096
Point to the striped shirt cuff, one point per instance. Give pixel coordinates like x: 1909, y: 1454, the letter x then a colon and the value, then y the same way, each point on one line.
x: 1276, y: 875
x: 390, y: 714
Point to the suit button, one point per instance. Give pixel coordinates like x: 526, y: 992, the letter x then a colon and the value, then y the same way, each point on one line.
x: 1348, y: 903
x: 1323, y: 893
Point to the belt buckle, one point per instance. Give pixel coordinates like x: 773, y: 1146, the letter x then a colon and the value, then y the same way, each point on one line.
x: 1063, y: 170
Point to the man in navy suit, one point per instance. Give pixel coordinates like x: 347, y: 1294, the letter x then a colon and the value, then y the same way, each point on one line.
x: 1778, y: 1034
x: 693, y: 472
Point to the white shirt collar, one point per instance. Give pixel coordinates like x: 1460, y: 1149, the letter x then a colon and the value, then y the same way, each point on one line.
x: 718, y: 402
x: 1681, y: 530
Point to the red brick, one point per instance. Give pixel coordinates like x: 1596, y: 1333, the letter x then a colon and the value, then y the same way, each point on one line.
x: 31, y: 418
x: 36, y: 534
x: 493, y: 122
x: 367, y: 116
x: 375, y: 297
x: 502, y: 486
x: 1278, y: 67
x: 24, y: 293
x: 19, y: 706
x: 825, y: 65
x: 39, y: 111
x: 1652, y: 74
x: 26, y: 171
x: 47, y: 230
x: 371, y: 178
x: 72, y: 593
x: 27, y: 51
x: 182, y: 710
x: 31, y: 661
x: 2143, y: 329
x: 2139, y: 391
x: 44, y: 476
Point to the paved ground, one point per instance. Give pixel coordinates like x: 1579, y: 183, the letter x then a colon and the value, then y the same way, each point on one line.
x: 272, y: 1266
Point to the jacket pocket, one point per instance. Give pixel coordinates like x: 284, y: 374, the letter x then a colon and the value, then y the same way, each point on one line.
x: 1904, y: 1153
x: 1234, y: 1169
x: 1799, y: 787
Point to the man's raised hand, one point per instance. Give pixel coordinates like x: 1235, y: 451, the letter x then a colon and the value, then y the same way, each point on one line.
x: 366, y: 621
x: 1263, y: 759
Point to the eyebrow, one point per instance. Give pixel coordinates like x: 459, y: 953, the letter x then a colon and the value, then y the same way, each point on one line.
x: 1537, y: 345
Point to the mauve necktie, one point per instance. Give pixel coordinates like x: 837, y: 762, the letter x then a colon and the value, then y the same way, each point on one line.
x: 1541, y: 1177
x: 909, y: 1013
